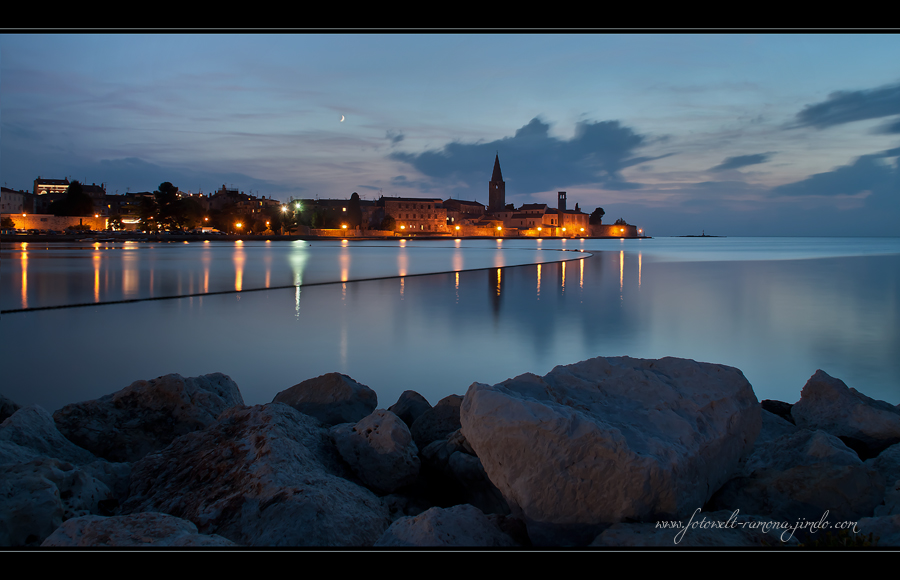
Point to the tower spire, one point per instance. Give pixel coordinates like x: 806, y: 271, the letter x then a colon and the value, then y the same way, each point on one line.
x: 497, y: 175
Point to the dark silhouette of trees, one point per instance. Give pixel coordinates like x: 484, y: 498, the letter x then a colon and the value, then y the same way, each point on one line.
x: 388, y: 224
x: 76, y: 202
x: 354, y: 212
x: 597, y: 216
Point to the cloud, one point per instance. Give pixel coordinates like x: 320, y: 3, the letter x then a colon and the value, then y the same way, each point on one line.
x: 532, y: 161
x: 138, y: 175
x: 875, y: 174
x: 742, y: 161
x: 394, y: 137
x: 890, y: 128
x: 848, y: 106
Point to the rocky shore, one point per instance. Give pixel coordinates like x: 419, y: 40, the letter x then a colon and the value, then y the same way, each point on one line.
x: 605, y: 453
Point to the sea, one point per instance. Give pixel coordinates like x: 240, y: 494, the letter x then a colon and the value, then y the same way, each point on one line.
x: 81, y: 320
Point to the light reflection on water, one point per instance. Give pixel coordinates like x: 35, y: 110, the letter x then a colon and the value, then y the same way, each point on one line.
x: 777, y: 320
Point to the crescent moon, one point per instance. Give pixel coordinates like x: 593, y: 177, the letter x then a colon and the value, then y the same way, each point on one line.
x: 342, y: 118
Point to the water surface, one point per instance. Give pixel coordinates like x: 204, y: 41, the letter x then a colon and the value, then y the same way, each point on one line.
x: 778, y: 309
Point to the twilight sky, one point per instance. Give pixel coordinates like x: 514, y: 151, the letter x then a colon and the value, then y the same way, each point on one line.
x: 734, y: 134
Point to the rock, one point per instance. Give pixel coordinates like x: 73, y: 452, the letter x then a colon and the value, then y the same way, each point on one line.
x: 827, y: 403
x: 773, y: 427
x: 885, y: 530
x: 7, y: 408
x: 703, y: 530
x: 887, y: 464
x: 147, y: 529
x: 779, y: 408
x: 33, y: 428
x: 607, y: 439
x: 437, y: 422
x: 454, y: 475
x: 262, y: 476
x: 37, y: 496
x: 802, y: 476
x: 147, y: 415
x: 459, y: 526
x: 891, y: 504
x: 410, y: 406
x: 380, y: 450
x: 332, y: 399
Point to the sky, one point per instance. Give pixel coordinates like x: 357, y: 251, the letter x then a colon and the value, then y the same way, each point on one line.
x: 737, y: 134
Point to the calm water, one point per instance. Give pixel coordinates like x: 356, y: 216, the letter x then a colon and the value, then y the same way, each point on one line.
x: 778, y: 309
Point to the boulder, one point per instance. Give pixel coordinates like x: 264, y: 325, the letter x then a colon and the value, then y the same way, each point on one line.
x: 827, y: 403
x: 261, y: 476
x: 885, y: 530
x: 148, y: 530
x: 596, y: 442
x: 453, y: 474
x: 147, y: 415
x: 438, y: 422
x: 7, y: 408
x: 33, y: 429
x: 332, y: 398
x: 801, y: 476
x: 461, y: 526
x: 379, y: 450
x: 37, y: 496
x: 410, y: 406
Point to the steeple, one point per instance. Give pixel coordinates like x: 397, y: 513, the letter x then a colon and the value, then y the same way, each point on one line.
x: 497, y: 175
x: 496, y: 188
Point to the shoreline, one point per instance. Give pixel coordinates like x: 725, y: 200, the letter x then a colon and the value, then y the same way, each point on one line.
x: 120, y: 237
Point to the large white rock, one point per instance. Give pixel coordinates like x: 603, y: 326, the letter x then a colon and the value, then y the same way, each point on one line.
x: 262, y: 476
x: 461, y: 526
x: 147, y: 415
x: 827, y: 403
x: 147, y: 530
x: 380, y: 450
x: 607, y: 439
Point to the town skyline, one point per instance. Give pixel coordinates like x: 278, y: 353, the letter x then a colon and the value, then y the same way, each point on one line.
x: 734, y: 134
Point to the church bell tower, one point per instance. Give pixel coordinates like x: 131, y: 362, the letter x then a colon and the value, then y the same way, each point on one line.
x: 497, y: 191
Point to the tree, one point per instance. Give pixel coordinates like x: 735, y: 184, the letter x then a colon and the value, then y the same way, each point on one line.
x: 8, y: 223
x: 388, y: 223
x: 354, y: 212
x: 167, y: 205
x: 76, y: 202
x: 621, y: 222
x: 597, y: 216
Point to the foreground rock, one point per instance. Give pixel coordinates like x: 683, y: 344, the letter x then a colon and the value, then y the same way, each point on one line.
x: 39, y: 495
x: 262, y: 476
x: 34, y: 434
x: 380, y: 450
x: 147, y: 415
x: 827, y: 403
x: 801, y: 476
x: 458, y: 526
x: 332, y: 398
x: 148, y: 529
x: 596, y: 442
x: 46, y: 479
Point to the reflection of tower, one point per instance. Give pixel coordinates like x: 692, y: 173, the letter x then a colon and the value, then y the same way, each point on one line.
x: 562, y: 209
x: 497, y: 191
x: 495, y: 281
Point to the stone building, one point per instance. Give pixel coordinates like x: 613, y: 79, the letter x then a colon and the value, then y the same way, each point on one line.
x: 416, y: 215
